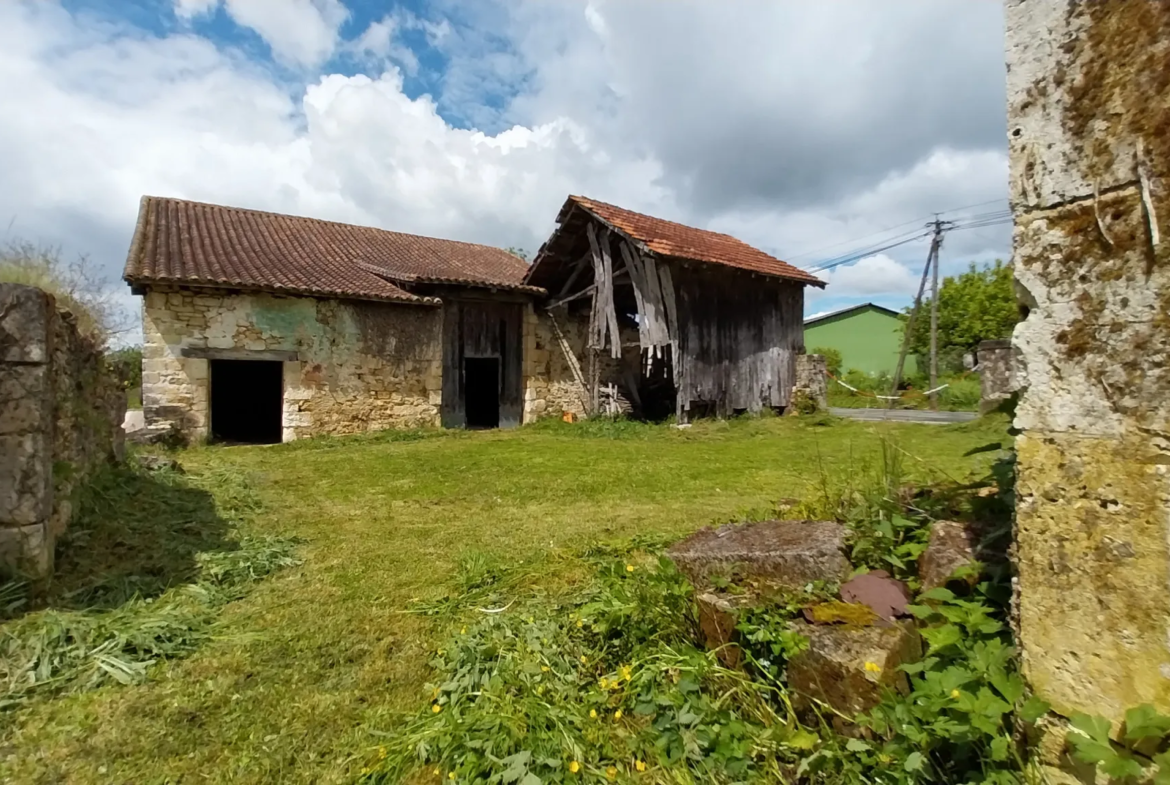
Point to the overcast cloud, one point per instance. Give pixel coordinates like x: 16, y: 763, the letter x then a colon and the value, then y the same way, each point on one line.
x: 792, y: 125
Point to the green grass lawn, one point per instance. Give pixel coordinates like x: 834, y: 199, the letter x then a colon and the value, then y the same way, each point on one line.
x: 301, y: 674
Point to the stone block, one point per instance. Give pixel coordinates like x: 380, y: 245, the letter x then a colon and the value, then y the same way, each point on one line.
x: 26, y: 550
x: 1093, y: 562
x: 848, y: 667
x: 26, y: 478
x: 25, y: 398
x: 25, y: 318
x: 778, y: 553
x: 953, y: 544
x: 718, y: 616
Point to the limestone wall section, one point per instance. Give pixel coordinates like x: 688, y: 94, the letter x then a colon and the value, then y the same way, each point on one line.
x: 61, y: 412
x: 1089, y: 135
x: 360, y: 366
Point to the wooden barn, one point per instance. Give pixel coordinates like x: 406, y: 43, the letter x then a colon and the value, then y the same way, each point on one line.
x: 676, y: 319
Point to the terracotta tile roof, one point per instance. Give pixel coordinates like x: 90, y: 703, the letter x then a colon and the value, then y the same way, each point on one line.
x: 178, y: 241
x: 674, y: 239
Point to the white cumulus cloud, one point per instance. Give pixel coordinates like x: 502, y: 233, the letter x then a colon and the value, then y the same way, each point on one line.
x: 299, y: 32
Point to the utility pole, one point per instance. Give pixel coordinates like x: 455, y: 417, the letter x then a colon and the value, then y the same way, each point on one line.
x: 938, y: 230
x: 931, y: 264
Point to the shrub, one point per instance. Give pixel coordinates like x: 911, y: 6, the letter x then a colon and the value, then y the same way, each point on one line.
x: 832, y: 358
x: 74, y: 286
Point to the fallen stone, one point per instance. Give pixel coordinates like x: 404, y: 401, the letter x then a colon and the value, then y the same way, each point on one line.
x: 718, y: 616
x: 156, y: 463
x: 787, y: 554
x: 884, y: 595
x: 849, y: 667
x: 953, y: 544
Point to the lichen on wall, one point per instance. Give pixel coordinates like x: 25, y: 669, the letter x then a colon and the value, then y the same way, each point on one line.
x: 359, y: 366
x: 1089, y: 137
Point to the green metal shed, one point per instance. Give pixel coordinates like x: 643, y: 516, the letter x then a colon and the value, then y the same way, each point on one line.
x: 868, y: 337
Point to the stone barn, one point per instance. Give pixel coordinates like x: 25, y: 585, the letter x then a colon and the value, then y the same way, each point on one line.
x: 676, y: 319
x: 260, y: 327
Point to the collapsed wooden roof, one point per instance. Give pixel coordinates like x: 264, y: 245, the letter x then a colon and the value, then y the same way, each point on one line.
x: 667, y: 239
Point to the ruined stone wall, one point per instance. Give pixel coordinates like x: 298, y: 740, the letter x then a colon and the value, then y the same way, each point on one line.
x: 360, y: 366
x: 997, y: 373
x: 550, y: 386
x: 812, y: 382
x: 1089, y: 133
x: 61, y: 412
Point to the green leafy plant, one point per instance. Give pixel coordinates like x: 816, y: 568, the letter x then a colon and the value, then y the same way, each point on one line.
x: 832, y: 358
x: 1140, y: 750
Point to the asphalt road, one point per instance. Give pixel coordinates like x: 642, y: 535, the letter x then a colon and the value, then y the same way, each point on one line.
x: 904, y: 415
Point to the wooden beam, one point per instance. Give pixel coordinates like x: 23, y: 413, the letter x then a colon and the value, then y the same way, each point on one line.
x: 204, y: 353
x: 577, y: 268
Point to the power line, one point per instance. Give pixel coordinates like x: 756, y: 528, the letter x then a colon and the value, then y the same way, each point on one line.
x: 861, y: 252
x: 858, y: 255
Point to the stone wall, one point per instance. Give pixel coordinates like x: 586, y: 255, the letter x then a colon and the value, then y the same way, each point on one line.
x: 812, y: 382
x: 550, y: 386
x: 1089, y: 134
x: 997, y: 373
x: 61, y: 411
x: 360, y: 366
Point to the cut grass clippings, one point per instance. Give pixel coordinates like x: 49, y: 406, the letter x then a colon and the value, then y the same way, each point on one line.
x: 146, y: 567
x: 302, y: 673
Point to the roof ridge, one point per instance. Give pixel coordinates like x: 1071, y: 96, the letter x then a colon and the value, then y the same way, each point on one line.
x: 579, y: 199
x: 275, y: 214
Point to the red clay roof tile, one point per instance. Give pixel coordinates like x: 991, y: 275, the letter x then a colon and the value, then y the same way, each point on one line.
x: 182, y: 242
x: 674, y: 239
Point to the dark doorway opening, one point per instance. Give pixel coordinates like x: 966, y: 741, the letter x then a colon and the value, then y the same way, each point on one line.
x: 246, y: 401
x: 482, y: 389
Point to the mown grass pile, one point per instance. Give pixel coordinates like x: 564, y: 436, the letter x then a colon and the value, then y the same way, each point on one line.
x: 144, y: 570
x: 604, y: 681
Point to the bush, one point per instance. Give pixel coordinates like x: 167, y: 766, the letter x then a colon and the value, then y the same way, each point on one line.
x: 127, y: 365
x: 73, y: 285
x: 832, y: 358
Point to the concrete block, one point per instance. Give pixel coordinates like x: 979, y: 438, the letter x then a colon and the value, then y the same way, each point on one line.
x: 849, y: 667
x: 779, y: 553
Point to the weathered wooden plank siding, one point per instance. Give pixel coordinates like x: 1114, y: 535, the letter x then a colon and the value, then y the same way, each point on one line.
x: 738, y: 337
x: 482, y: 328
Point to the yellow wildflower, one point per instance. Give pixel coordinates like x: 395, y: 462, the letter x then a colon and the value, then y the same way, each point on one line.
x: 381, y: 752
x: 574, y: 767
x: 584, y: 659
x: 873, y: 667
x: 611, y: 773
x: 436, y: 708
x: 604, y: 683
x: 544, y: 669
x: 580, y: 623
x: 540, y: 689
x: 956, y: 694
x: 617, y: 715
x: 451, y: 776
x: 438, y: 773
x: 629, y: 568
x: 463, y: 631
x: 593, y: 714
x: 884, y: 758
x: 640, y: 765
x: 627, y: 672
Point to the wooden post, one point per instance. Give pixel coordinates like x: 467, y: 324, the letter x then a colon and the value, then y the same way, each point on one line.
x: 934, y: 324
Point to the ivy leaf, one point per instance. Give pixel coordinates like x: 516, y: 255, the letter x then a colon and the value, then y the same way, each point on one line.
x: 940, y: 594
x: 1144, y: 722
x: 1095, y: 728
x: 1119, y: 767
x: 914, y: 762
x: 1033, y: 709
x: 940, y: 637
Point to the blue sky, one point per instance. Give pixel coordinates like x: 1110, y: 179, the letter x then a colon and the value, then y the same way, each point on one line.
x: 791, y: 125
